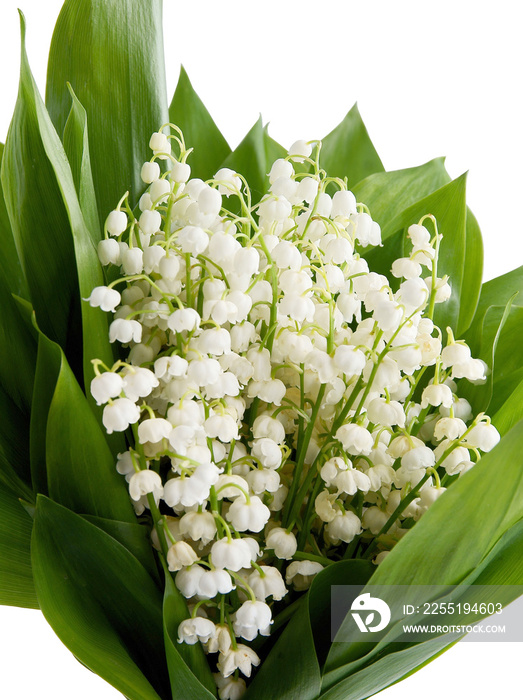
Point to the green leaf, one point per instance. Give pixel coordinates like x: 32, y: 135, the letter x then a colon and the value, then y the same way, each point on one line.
x: 15, y: 471
x: 472, y: 274
x: 448, y: 206
x: 16, y: 579
x: 253, y: 158
x: 17, y: 351
x: 38, y: 218
x: 200, y: 132
x: 508, y: 359
x: 81, y: 472
x: 457, y: 533
x: 76, y: 145
x: 386, y: 671
x: 348, y: 151
x: 189, y: 670
x: 510, y: 412
x: 497, y: 292
x: 116, y: 43
x: 292, y: 668
x: 388, y: 194
x: 9, y: 261
x: 100, y: 601
x: 480, y: 395
x: 135, y: 537
x: 48, y: 364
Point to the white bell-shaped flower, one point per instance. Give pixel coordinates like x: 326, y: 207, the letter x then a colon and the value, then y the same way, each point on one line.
x: 299, y: 150
x: 418, y: 457
x: 252, y: 618
x: 119, y: 415
x: 249, y: 515
x: 125, y: 331
x: 344, y: 527
x: 116, y: 223
x: 301, y: 573
x: 224, y: 427
x: 150, y: 172
x: 215, y: 581
x: 242, y: 658
x: 144, y: 482
x: 282, y: 542
x: 104, y: 297
x: 193, y: 239
x: 195, y: 629
x: 228, y: 182
x: 230, y: 688
x: 220, y: 641
x: 180, y: 172
x: 484, y: 436
x: 187, y: 580
x: 352, y: 480
x: 267, y: 583
x: 108, y: 252
x: 267, y: 452
x: 179, y: 555
x: 356, y: 439
x: 261, y: 480
x: 184, y: 320
x: 106, y: 386
x: 150, y: 221
x: 233, y: 554
x: 139, y: 382
x: 349, y: 360
x: 198, y: 526
x: 436, y: 395
x: 154, y: 430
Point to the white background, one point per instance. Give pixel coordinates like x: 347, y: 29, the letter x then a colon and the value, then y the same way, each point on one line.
x: 431, y: 79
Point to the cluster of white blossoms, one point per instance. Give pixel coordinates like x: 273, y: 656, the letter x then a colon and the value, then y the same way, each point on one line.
x: 288, y: 406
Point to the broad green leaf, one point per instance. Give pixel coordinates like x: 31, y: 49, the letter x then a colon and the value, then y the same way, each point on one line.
x: 100, y: 601
x: 253, y: 159
x: 457, y: 533
x: 39, y: 220
x: 273, y: 150
x: 448, y: 206
x: 511, y: 412
x: 189, y: 670
x: 135, y: 537
x: 10, y: 266
x: 48, y: 364
x: 94, y: 321
x: 348, y: 151
x: 16, y: 579
x: 76, y: 145
x: 495, y: 319
x: 292, y: 668
x: 200, y: 132
x: 386, y: 671
x: 17, y: 351
x: 14, y: 448
x: 387, y: 194
x: 508, y: 359
x: 498, y: 291
x: 81, y: 472
x: 116, y: 43
x: 472, y: 274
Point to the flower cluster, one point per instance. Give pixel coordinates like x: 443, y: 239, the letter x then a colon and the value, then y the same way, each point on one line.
x: 288, y: 406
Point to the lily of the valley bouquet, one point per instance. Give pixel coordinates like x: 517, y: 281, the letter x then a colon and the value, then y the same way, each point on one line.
x: 231, y: 380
